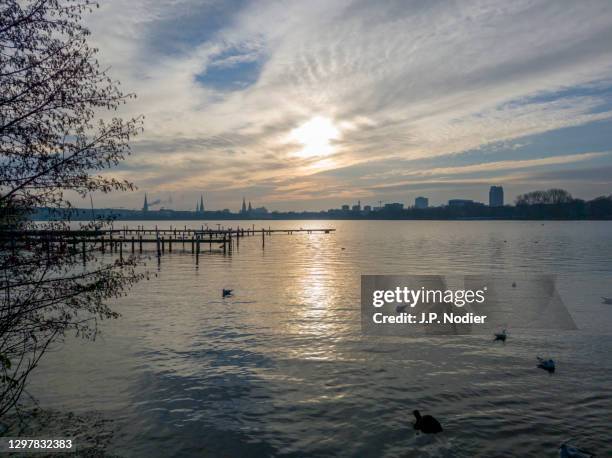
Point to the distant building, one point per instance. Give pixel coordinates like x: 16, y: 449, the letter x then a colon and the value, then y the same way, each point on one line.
x: 145, y: 206
x: 357, y: 208
x: 243, y: 210
x: 367, y: 208
x: 395, y: 206
x: 201, y: 203
x: 345, y: 208
x: 259, y: 211
x: 421, y: 202
x: 496, y: 196
x: 460, y: 202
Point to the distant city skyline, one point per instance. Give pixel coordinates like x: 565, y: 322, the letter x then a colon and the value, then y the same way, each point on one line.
x: 305, y: 105
x: 495, y: 194
x: 552, y: 203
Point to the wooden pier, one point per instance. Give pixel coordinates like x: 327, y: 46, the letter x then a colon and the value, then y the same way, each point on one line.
x: 134, y: 240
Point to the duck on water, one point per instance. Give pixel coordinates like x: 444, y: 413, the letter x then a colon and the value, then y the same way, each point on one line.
x: 426, y: 423
x: 501, y: 336
x: 546, y: 364
x: 569, y: 451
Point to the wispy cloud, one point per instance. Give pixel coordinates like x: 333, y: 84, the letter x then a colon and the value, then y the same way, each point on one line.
x: 223, y: 84
x: 498, y: 166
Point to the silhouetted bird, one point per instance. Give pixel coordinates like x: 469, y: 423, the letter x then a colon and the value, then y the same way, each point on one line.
x: 401, y: 308
x: 607, y: 300
x: 227, y: 292
x: 500, y: 336
x: 426, y: 424
x: 569, y: 451
x: 514, y: 284
x: 546, y: 364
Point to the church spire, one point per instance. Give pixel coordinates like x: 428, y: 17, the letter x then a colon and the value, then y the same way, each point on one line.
x: 243, y: 210
x: 145, y: 206
x: 201, y: 203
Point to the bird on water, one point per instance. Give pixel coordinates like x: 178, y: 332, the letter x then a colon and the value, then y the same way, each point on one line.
x: 426, y: 423
x: 227, y: 292
x: 569, y: 451
x: 501, y: 336
x: 546, y: 364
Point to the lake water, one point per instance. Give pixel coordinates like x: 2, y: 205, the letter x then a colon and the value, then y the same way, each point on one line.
x: 282, y: 369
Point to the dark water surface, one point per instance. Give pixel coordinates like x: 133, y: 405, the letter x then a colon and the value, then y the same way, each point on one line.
x: 281, y: 368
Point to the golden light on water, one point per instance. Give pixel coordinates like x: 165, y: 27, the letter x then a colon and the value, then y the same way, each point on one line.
x: 316, y: 136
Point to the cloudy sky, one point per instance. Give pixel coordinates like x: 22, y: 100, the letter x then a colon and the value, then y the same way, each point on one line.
x: 311, y: 104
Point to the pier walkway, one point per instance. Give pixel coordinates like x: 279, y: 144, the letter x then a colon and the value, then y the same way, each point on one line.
x: 116, y: 240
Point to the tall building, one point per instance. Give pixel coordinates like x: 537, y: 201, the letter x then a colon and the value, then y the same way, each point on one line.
x: 496, y: 196
x: 250, y: 208
x: 145, y: 206
x: 201, y: 203
x: 243, y: 210
x: 421, y: 202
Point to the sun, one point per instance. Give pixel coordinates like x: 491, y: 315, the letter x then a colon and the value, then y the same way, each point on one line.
x: 316, y: 136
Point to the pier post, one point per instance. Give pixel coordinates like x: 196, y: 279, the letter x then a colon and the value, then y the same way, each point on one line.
x: 132, y: 244
x: 263, y: 238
